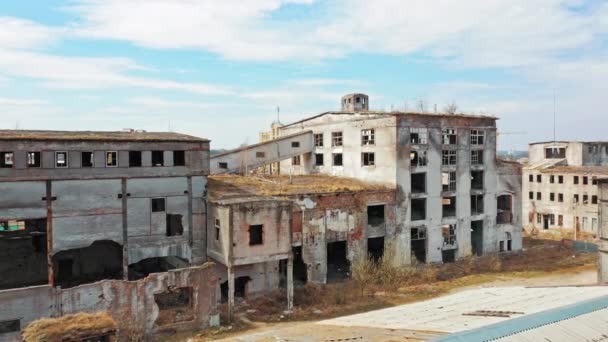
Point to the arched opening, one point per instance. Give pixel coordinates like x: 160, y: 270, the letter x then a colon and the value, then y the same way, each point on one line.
x: 145, y: 267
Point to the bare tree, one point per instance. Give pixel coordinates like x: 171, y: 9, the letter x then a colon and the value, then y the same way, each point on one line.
x: 451, y: 108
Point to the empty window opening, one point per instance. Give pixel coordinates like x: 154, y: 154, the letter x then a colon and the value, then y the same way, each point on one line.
x: 296, y: 160
x: 337, y: 159
x: 158, y: 205
x: 256, y: 234
x: 477, y: 180
x: 560, y: 220
x: 448, y: 206
x: 531, y: 178
x: 575, y: 198
x: 217, y: 229
x: 418, y: 158
x: 111, y: 159
x: 260, y: 155
x: 448, y: 232
x: 594, y: 199
x: 539, y: 196
x: 86, y: 159
x: 418, y: 183
x: 560, y: 179
x: 375, y: 215
x: 418, y: 209
x: 367, y: 137
x: 61, y: 159
x: 477, y: 137
x: 539, y: 178
x: 7, y: 159
x: 552, y: 196
x: 418, y: 135
x: 33, y: 159
x: 585, y: 180
x: 100, y: 260
x: 448, y: 136
x: 300, y: 270
x: 509, y: 241
x: 575, y: 179
x: 338, y: 266
x: 585, y: 199
x: 179, y: 158
x: 145, y: 267
x: 223, y: 165
x: 418, y: 243
x: 319, y: 159
x: 10, y: 326
x: 448, y: 157
x: 477, y: 157
x: 174, y: 225
x: 476, y: 204
x: 318, y: 140
x: 336, y: 139
x: 23, y: 253
x: 158, y: 158
x: 477, y: 237
x: 448, y: 255
x: 375, y: 248
x: 295, y: 144
x: 555, y: 153
x: 448, y: 181
x: 560, y: 197
x: 174, y: 306
x: 368, y: 159
x: 531, y: 195
x: 504, y: 209
x: 552, y: 179
x: 135, y: 159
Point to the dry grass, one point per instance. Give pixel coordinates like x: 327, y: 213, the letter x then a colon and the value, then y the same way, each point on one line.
x: 559, y: 234
x: 69, y: 328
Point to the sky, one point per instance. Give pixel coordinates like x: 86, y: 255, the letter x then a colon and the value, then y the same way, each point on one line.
x: 219, y: 69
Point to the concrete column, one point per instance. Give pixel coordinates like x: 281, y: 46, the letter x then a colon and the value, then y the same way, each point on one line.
x: 290, y: 282
x: 49, y: 231
x: 230, y: 293
x: 125, y: 235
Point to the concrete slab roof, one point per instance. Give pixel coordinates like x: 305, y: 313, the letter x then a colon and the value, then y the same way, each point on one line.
x: 107, y: 136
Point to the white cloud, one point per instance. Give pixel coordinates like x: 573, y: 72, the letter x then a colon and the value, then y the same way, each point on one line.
x: 156, y: 102
x: 16, y: 33
x: 20, y: 102
x: 320, y: 82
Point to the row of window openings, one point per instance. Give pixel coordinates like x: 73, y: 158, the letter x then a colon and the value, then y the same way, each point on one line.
x: 417, y: 158
x: 560, y: 197
x: 418, y: 136
x: 560, y: 179
x: 448, y: 232
x: 448, y: 181
x: 86, y: 159
x: 367, y: 159
x: 256, y: 233
x: 560, y: 221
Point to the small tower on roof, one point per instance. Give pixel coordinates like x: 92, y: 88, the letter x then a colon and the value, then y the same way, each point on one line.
x: 356, y: 102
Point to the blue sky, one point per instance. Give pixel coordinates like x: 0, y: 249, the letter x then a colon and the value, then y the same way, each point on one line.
x: 219, y: 69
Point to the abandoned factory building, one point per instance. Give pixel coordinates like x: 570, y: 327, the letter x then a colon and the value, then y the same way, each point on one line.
x: 560, y: 185
x: 603, y: 233
x: 81, y: 207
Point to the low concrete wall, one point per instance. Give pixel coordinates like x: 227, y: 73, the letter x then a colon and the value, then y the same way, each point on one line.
x: 131, y: 303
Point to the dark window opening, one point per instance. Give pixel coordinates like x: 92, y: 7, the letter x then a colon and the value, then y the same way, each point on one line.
x: 560, y: 179
x: 448, y: 232
x: 448, y: 255
x: 260, y: 155
x: 217, y: 229
x: 368, y: 137
x: 295, y: 144
x: 418, y: 183
x: 100, y: 260
x: 86, y: 159
x: 10, y: 326
x: 531, y: 195
x: 256, y: 234
x: 555, y: 153
x: 337, y: 159
x: 539, y: 196
x: 33, y: 159
x: 318, y: 140
x: 111, y: 159
x: 135, y: 159
x: 368, y: 159
x: 539, y: 178
x: 179, y: 158
x: 418, y: 209
x: 560, y: 197
x: 552, y: 179
x: 585, y: 199
x: 158, y: 205
x: 300, y: 273
x: 223, y: 165
x: 448, y: 206
x: 448, y: 157
x: 477, y: 180
x: 552, y: 196
x: 476, y: 204
x: 585, y: 180
x: 477, y: 137
x: 7, y: 159
x: 336, y: 139
x: 338, y: 266
x: 174, y: 306
x: 594, y: 199
x: 531, y: 178
x: 418, y: 135
x: 145, y: 267
x: 319, y: 159
x: 375, y: 215
x: 575, y: 179
x: 418, y: 243
x: 448, y: 181
x: 174, y: 225
x: 158, y: 158
x: 504, y: 209
x: 477, y: 237
x: 375, y: 248
x: 296, y: 160
x: 576, y: 198
x: 477, y: 157
x: 418, y: 158
x: 449, y: 136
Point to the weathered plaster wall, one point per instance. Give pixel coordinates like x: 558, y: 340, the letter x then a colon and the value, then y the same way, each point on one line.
x: 510, y: 183
x: 574, y: 152
x: 603, y: 243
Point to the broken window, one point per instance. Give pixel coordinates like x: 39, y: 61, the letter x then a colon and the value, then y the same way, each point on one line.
x: 477, y: 137
x: 86, y: 159
x: 318, y: 140
x: 256, y: 234
x: 179, y: 158
x: 531, y: 178
x: 552, y: 196
x: 448, y: 206
x: 368, y: 159
x: 560, y: 179
x: 134, y: 158
x: 7, y: 159
x: 560, y: 197
x: 337, y: 158
x: 477, y: 157
x: 100, y: 260
x: 539, y: 178
x: 594, y: 181
x: 295, y: 144
x: 448, y: 232
x: 375, y: 248
x: 418, y: 158
x: 33, y: 159
x: 296, y: 160
x: 375, y: 215
x: 448, y: 136
x: 158, y: 158
x: 477, y: 180
x: 552, y: 179
x: 367, y: 137
x: 418, y: 206
x: 145, y: 267
x: 418, y: 183
x: 158, y: 205
x: 585, y: 180
x: 418, y: 243
x: 319, y: 159
x: 111, y: 159
x: 476, y: 204
x: 448, y: 181
x: 174, y: 225
x: 448, y: 157
x: 418, y: 135
x: 217, y: 229
x: 575, y: 179
x: 338, y: 266
x: 585, y: 199
x: 575, y: 200
x: 61, y: 159
x: 555, y: 152
x: 539, y: 196
x: 531, y: 195
x: 504, y: 209
x: 336, y: 139
x: 260, y: 155
x: 594, y: 199
x: 223, y: 165
x: 10, y: 326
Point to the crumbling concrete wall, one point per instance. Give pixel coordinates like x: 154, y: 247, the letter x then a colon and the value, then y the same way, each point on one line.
x: 595, y: 154
x: 574, y: 151
x: 131, y: 303
x: 510, y: 183
x: 603, y: 243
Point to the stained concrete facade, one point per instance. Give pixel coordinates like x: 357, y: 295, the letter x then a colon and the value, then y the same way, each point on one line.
x: 603, y: 234
x: 559, y: 186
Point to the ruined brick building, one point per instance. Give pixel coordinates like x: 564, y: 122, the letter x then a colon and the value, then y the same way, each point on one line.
x: 559, y: 185
x: 77, y: 208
